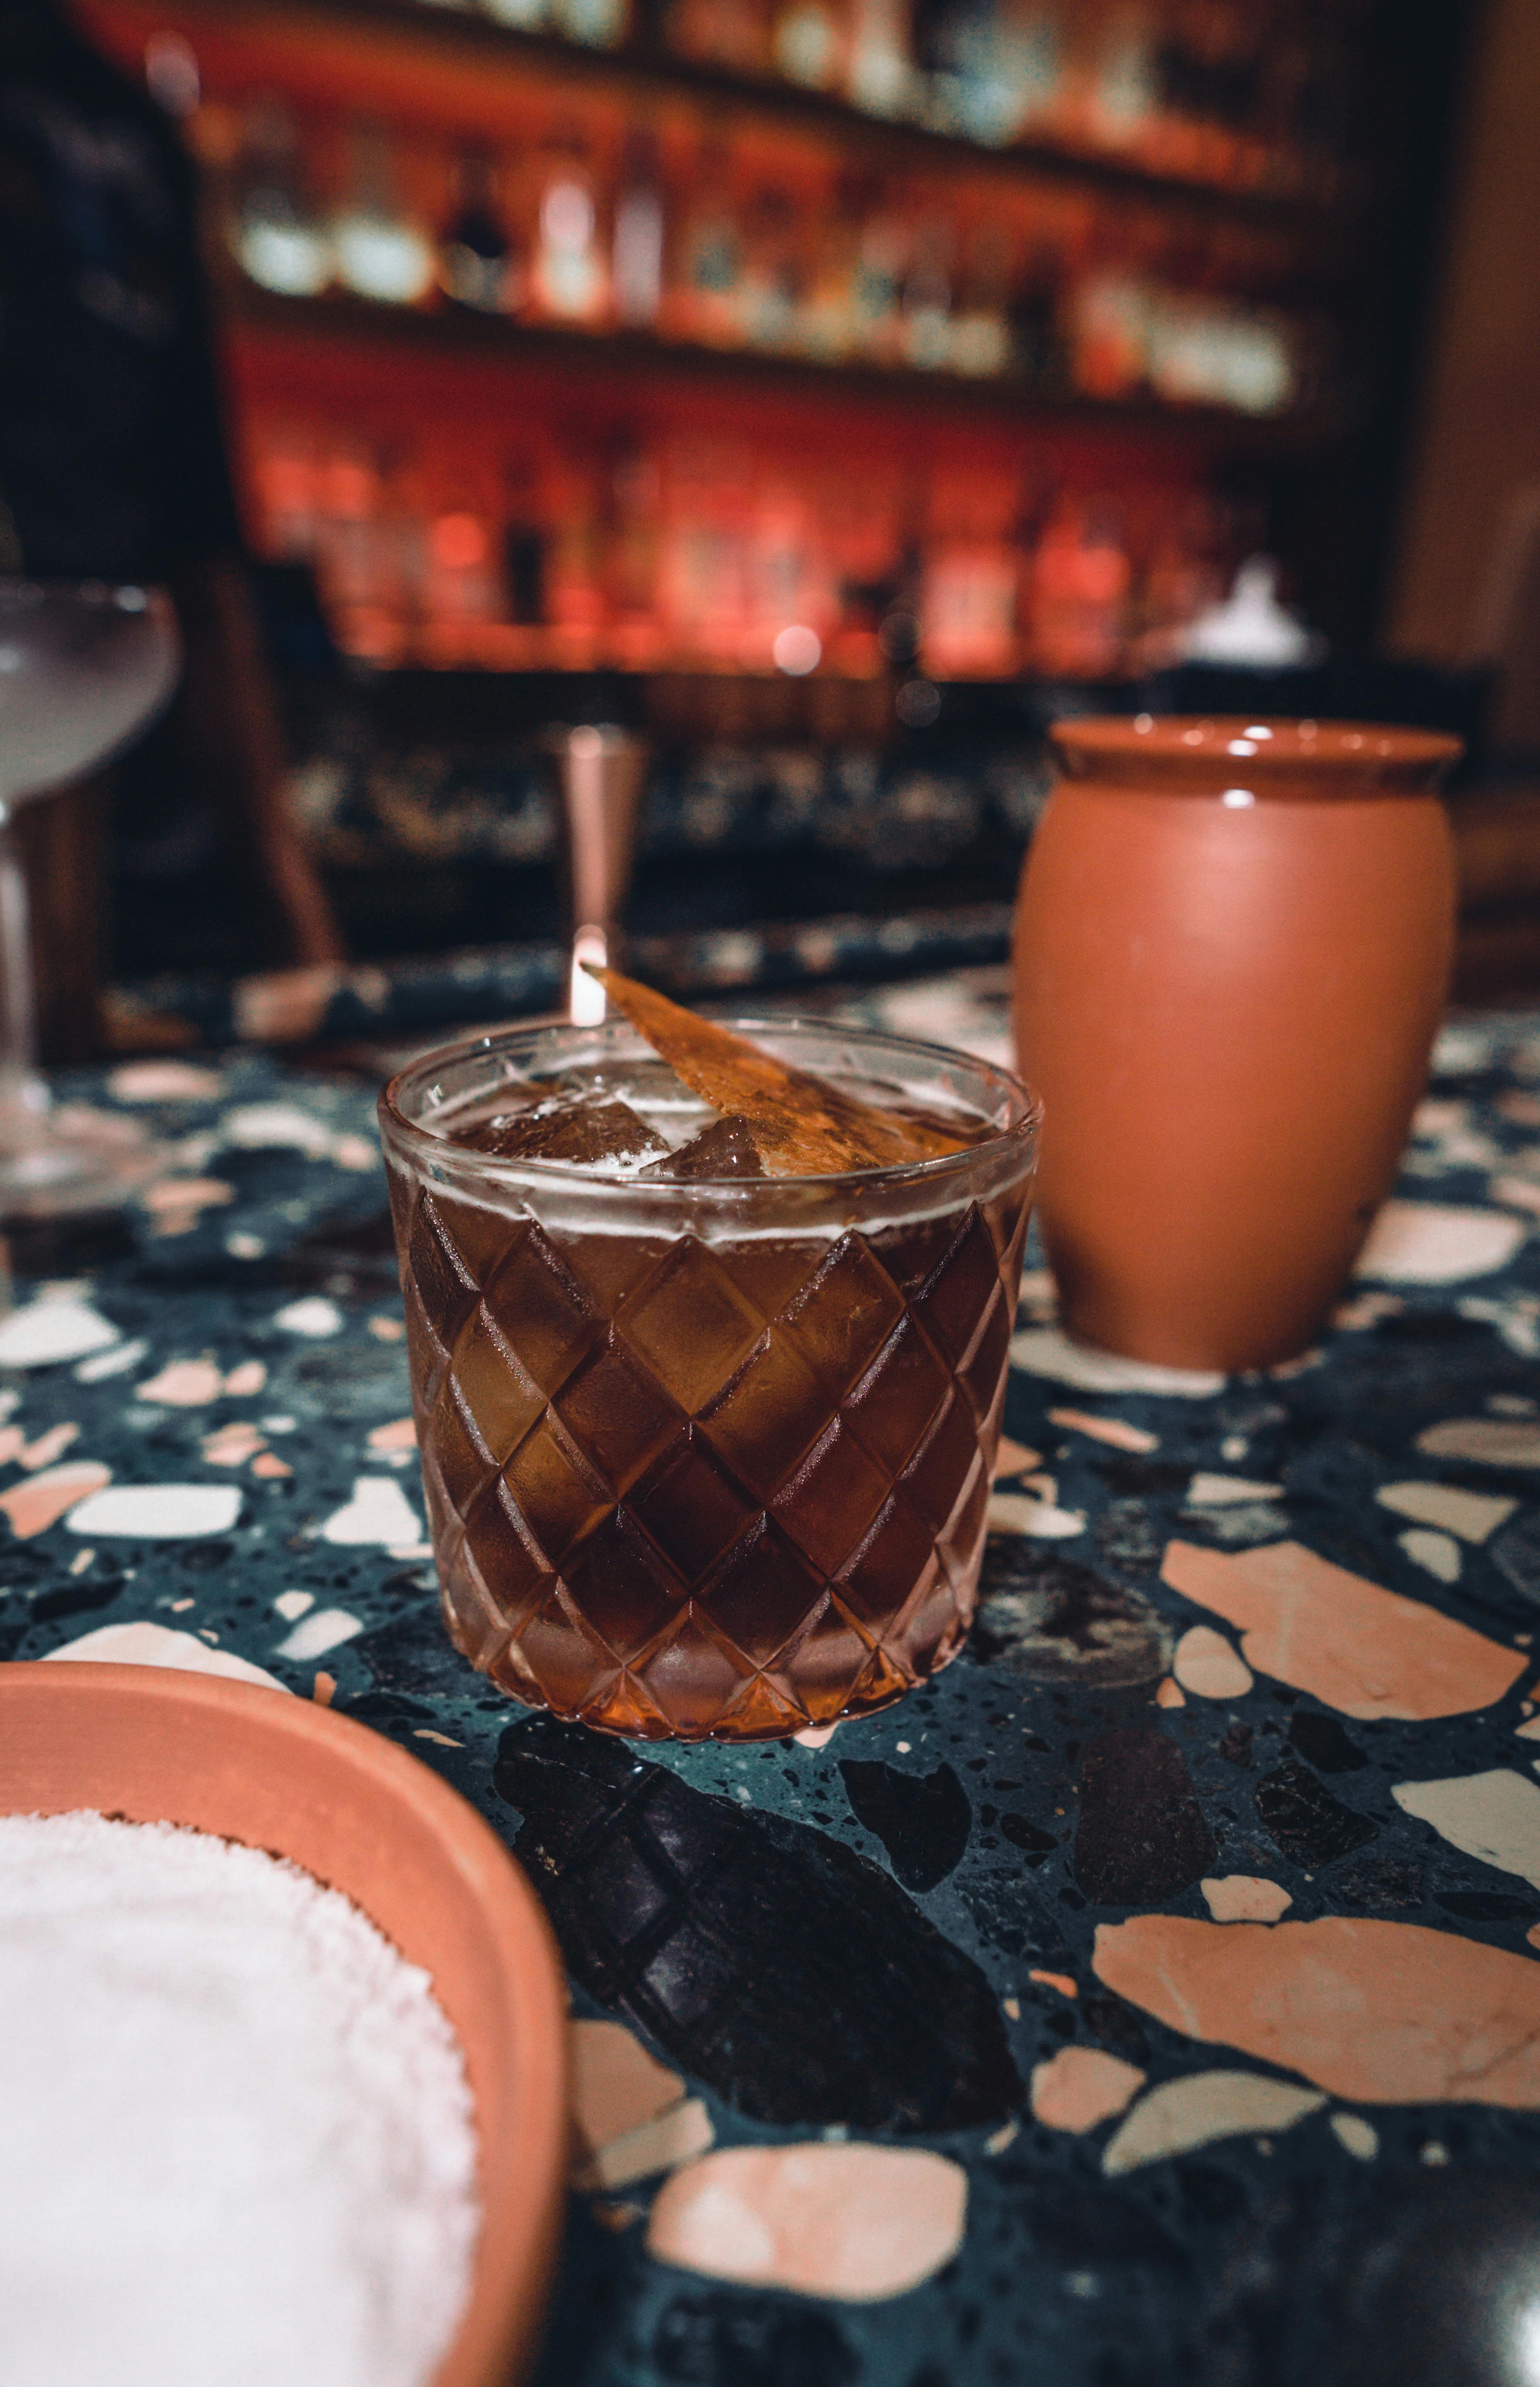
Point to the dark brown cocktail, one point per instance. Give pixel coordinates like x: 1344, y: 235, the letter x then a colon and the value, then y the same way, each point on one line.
x: 707, y: 1452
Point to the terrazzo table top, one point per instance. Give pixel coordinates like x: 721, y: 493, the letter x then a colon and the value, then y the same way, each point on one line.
x: 1156, y: 1996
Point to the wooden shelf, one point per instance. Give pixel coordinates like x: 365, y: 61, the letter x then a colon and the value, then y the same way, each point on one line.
x: 339, y: 317
x: 637, y: 66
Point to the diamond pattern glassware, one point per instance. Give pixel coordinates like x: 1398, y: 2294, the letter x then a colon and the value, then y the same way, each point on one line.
x: 708, y: 1459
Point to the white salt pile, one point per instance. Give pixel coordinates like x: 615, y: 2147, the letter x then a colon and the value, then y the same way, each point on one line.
x: 236, y: 2138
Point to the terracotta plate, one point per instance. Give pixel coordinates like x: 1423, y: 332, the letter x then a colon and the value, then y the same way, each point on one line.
x: 359, y: 1814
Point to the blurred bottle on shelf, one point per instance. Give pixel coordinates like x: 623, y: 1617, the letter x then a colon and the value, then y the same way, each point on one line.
x: 732, y: 33
x: 992, y: 70
x: 826, y: 323
x: 1182, y: 579
x: 575, y: 558
x: 476, y: 265
x: 525, y: 544
x: 462, y: 590
x: 1078, y: 585
x: 599, y: 24
x: 1037, y: 342
x: 285, y: 474
x: 524, y: 16
x: 880, y: 77
x: 569, y: 279
x: 1108, y: 324
x: 770, y: 291
x: 1125, y: 90
x: 356, y: 559
x: 635, y: 531
x: 706, y: 302
x: 637, y: 269
x: 382, y: 252
x: 968, y: 607
x: 980, y: 341
x: 276, y: 234
x: 926, y: 303
x: 877, y: 298
x: 809, y: 46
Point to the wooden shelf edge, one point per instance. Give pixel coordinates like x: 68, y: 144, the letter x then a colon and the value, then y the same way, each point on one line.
x: 341, y: 319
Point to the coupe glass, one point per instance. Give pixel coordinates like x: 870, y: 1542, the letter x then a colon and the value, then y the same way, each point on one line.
x: 82, y: 667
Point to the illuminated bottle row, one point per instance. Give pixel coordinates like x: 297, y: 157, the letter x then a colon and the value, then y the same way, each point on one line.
x: 1246, y: 93
x: 1075, y: 294
x: 720, y: 555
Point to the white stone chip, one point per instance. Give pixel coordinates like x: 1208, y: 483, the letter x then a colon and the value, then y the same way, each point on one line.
x: 157, y: 1512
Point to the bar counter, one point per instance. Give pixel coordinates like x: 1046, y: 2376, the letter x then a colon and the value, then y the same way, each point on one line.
x: 1154, y: 1996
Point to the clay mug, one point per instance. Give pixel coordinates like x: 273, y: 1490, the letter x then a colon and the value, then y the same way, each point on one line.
x: 1232, y: 947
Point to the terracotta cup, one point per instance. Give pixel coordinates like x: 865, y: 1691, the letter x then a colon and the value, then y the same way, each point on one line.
x: 361, y: 1815
x: 1232, y: 947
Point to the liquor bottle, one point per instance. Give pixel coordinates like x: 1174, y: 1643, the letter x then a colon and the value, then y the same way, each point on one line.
x: 462, y: 591
x: 987, y: 77
x: 381, y: 254
x: 574, y: 571
x: 524, y: 543
x: 277, y: 238
x: 809, y: 44
x: 524, y: 16
x: 1125, y: 100
x: 877, y: 289
x: 734, y: 33
x: 926, y: 306
x: 967, y: 607
x: 1038, y: 37
x: 1108, y: 318
x: 356, y: 556
x: 879, y: 70
x: 1079, y: 586
x: 476, y: 267
x: 772, y: 293
x: 706, y: 302
x: 632, y: 555
x: 286, y: 483
x: 637, y: 264
x: 570, y: 278
x: 980, y: 337
x: 826, y: 321
x: 599, y: 24
x: 1036, y: 338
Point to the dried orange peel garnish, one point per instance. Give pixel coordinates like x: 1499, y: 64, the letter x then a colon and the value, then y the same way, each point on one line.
x: 801, y: 1126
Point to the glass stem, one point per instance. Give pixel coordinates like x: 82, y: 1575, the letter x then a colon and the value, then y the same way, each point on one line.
x: 23, y: 1095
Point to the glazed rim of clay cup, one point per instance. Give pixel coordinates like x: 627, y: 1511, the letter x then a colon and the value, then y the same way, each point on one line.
x: 1260, y: 753
x: 278, y: 1772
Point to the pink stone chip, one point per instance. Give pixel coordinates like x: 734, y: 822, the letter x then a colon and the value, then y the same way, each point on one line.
x: 1244, y: 1898
x: 184, y: 1385
x: 630, y: 2117
x: 1205, y: 1664
x: 616, y: 2084
x: 856, y: 2222
x: 1115, y: 1432
x: 33, y: 1507
x: 1082, y: 2085
x: 1354, y: 1646
x: 1379, y: 2013
x: 399, y: 1435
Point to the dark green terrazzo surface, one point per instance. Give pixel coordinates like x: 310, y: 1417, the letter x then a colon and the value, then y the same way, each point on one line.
x: 840, y: 1941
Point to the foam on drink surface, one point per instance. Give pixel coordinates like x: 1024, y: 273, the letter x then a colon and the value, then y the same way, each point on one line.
x: 639, y: 1121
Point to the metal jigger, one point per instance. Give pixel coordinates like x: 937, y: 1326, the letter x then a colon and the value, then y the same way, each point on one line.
x: 602, y: 773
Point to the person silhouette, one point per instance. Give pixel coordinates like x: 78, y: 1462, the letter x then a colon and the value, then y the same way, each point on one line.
x: 113, y: 464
